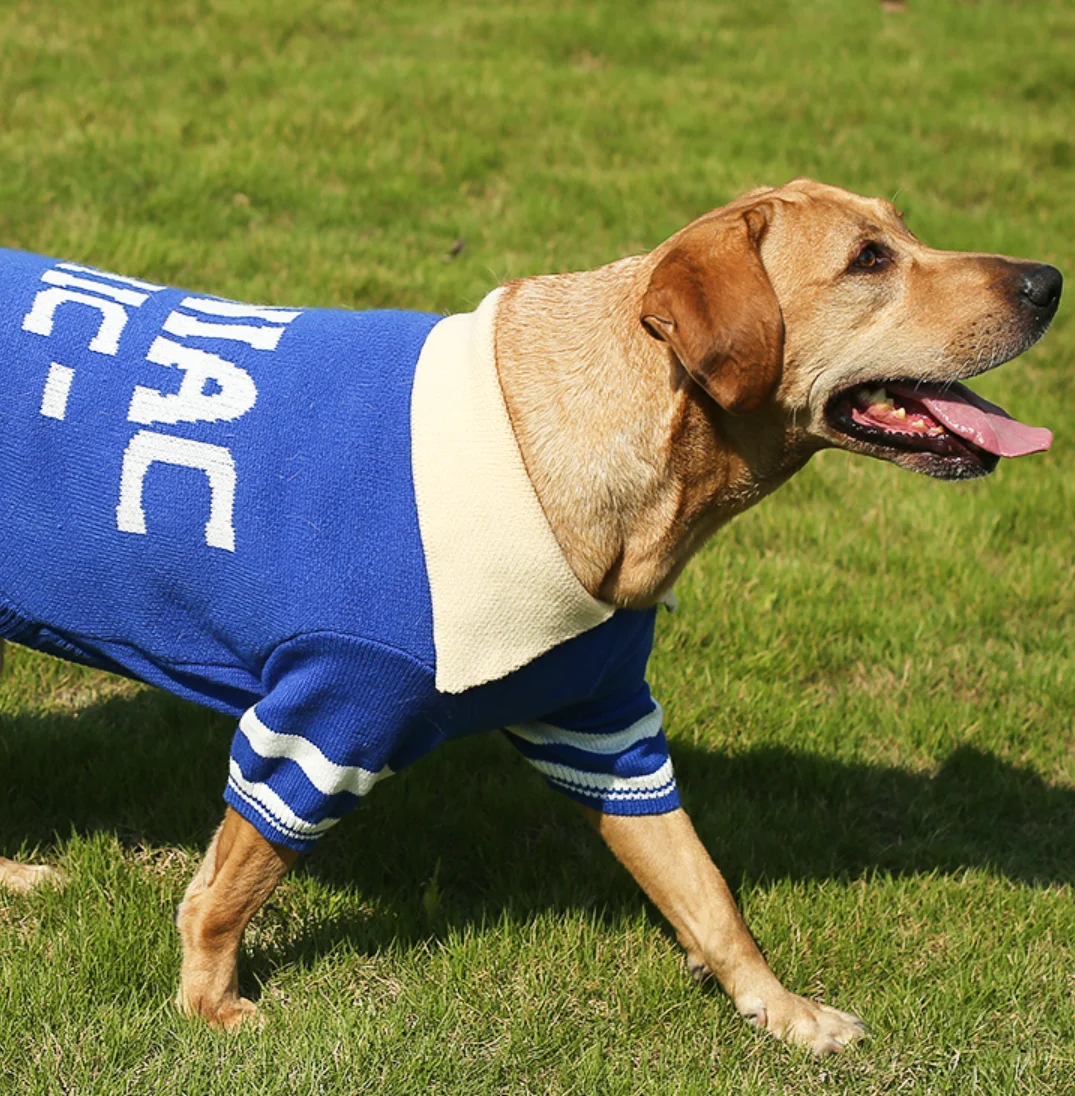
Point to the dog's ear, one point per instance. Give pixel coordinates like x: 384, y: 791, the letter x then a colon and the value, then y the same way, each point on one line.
x: 711, y: 300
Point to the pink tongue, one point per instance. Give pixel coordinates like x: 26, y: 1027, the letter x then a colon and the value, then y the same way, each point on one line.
x: 989, y: 427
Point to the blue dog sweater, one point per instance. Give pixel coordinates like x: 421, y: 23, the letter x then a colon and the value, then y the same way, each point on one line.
x: 218, y: 499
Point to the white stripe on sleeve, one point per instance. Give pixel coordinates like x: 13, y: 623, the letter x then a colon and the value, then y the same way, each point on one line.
x: 544, y: 734
x: 607, y: 785
x: 272, y: 808
x: 325, y: 775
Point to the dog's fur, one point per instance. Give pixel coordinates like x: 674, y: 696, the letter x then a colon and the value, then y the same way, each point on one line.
x: 653, y: 400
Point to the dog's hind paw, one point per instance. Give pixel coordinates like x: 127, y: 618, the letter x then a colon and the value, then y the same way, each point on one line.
x: 22, y: 878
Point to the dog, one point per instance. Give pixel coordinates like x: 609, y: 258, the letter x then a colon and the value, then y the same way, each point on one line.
x: 362, y: 533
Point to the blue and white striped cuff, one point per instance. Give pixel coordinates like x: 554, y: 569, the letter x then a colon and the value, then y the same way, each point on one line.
x: 627, y: 771
x: 286, y: 787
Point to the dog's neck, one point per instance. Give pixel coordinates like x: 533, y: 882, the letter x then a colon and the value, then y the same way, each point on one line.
x: 634, y: 465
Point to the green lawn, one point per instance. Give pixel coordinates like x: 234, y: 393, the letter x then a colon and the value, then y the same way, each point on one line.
x: 869, y: 688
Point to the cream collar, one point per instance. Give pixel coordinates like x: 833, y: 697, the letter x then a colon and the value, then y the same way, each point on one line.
x: 502, y: 591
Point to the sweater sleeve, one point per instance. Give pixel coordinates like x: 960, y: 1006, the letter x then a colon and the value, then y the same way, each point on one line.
x: 339, y: 715
x: 608, y: 753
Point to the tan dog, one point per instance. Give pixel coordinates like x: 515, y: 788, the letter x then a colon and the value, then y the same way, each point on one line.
x: 654, y: 399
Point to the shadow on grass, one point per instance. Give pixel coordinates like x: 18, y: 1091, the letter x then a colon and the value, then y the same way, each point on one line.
x: 150, y: 769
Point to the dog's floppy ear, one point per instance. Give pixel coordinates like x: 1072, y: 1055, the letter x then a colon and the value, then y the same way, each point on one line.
x: 711, y: 300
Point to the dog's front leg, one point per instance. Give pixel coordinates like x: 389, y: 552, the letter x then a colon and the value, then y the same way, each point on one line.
x: 665, y: 856
x: 240, y: 871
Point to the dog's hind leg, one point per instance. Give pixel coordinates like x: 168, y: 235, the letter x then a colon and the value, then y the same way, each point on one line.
x: 25, y: 877
x: 663, y: 853
x: 240, y: 871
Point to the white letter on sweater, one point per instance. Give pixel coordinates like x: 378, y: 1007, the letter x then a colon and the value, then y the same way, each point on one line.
x: 146, y: 448
x: 151, y: 287
x: 57, y: 389
x: 124, y: 296
x: 260, y: 338
x: 234, y: 310
x: 113, y: 317
x: 235, y: 396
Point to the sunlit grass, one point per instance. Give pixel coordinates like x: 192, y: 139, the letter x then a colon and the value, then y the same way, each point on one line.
x: 870, y: 684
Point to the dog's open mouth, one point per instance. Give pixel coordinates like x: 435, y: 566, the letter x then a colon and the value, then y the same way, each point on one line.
x: 962, y: 434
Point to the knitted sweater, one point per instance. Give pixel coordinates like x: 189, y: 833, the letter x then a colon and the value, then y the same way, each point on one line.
x: 315, y: 521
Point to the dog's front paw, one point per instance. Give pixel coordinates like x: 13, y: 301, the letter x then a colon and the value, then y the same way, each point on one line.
x: 239, y: 1012
x: 227, y: 1014
x: 802, y: 1022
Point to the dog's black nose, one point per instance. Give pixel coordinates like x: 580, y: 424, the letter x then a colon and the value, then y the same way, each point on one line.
x: 1042, y: 285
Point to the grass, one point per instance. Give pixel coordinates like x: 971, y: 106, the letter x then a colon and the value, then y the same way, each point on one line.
x: 870, y: 685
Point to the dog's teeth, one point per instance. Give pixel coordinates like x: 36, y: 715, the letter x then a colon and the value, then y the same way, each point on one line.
x: 876, y: 399
x: 900, y: 413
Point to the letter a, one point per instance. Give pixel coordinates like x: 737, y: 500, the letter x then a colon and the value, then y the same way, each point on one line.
x: 235, y: 396
x: 146, y: 448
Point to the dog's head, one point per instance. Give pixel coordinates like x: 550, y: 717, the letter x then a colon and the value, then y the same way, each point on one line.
x: 821, y: 305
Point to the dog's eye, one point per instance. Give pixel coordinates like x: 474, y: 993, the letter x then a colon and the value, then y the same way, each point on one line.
x: 870, y: 257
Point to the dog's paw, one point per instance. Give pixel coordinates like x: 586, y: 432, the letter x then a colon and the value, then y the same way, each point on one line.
x: 237, y: 1013
x: 226, y: 1015
x: 22, y: 878
x: 802, y: 1022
